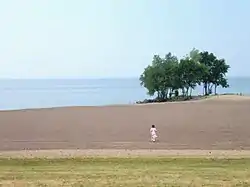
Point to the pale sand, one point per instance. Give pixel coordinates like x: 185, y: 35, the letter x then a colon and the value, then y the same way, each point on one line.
x: 125, y: 153
x: 231, y: 97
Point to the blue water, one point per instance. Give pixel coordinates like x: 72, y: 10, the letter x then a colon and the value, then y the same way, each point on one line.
x: 21, y: 94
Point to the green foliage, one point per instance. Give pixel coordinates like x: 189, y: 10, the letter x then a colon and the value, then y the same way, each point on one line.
x: 190, y: 73
x: 166, y: 76
x: 215, y: 74
x: 158, y: 78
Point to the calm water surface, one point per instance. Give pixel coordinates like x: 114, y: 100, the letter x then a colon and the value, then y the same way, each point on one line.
x: 20, y: 94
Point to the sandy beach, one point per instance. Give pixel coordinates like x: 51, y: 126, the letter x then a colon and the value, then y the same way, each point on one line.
x: 218, y: 123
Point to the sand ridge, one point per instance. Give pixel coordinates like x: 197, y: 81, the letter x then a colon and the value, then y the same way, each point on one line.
x: 231, y: 97
x: 217, y: 123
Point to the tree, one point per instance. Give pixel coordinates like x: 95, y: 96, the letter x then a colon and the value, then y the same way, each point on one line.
x: 170, y: 65
x: 167, y: 75
x: 219, y: 70
x: 207, y: 60
x: 151, y: 77
x: 194, y: 55
x: 191, y: 73
x: 158, y: 77
x: 215, y: 72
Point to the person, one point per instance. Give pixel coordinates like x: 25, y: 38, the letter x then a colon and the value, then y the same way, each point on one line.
x: 153, y: 131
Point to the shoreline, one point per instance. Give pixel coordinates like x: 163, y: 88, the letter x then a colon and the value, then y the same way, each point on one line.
x: 200, y: 99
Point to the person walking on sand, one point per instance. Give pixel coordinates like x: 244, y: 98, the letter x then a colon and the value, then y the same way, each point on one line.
x: 153, y: 131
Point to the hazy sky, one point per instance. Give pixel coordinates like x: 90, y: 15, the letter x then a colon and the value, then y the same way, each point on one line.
x: 117, y: 38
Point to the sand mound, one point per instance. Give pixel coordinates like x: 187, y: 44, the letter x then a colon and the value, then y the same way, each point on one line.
x: 231, y: 97
x: 209, y: 98
x: 208, y: 125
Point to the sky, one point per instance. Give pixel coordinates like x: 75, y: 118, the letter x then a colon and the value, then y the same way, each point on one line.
x: 117, y: 38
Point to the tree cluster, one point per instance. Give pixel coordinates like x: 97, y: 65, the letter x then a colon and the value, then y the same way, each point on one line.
x: 167, y: 77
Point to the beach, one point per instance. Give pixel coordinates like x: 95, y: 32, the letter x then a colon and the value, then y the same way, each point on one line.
x: 218, y: 123
x: 201, y: 143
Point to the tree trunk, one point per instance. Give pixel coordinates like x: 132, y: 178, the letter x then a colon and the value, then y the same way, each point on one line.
x: 166, y: 94
x: 170, y: 93
x: 162, y: 96
x: 215, y: 89
x: 205, y: 88
x: 210, y: 89
x: 187, y: 92
x: 183, y: 92
x: 191, y: 92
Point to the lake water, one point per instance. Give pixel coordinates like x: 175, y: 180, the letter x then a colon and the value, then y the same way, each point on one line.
x: 22, y: 94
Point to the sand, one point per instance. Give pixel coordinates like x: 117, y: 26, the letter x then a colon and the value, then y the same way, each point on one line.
x: 219, y: 124
x: 52, y: 154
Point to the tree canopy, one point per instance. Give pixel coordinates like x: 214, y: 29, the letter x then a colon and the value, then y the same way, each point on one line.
x: 169, y: 75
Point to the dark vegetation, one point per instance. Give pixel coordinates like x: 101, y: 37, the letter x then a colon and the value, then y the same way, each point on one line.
x: 173, y: 79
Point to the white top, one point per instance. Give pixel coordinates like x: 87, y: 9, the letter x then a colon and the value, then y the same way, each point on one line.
x: 153, y: 131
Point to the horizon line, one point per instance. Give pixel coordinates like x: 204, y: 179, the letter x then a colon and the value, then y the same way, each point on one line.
x: 90, y: 78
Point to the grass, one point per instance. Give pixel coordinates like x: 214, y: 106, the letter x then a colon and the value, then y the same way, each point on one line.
x: 97, y: 172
